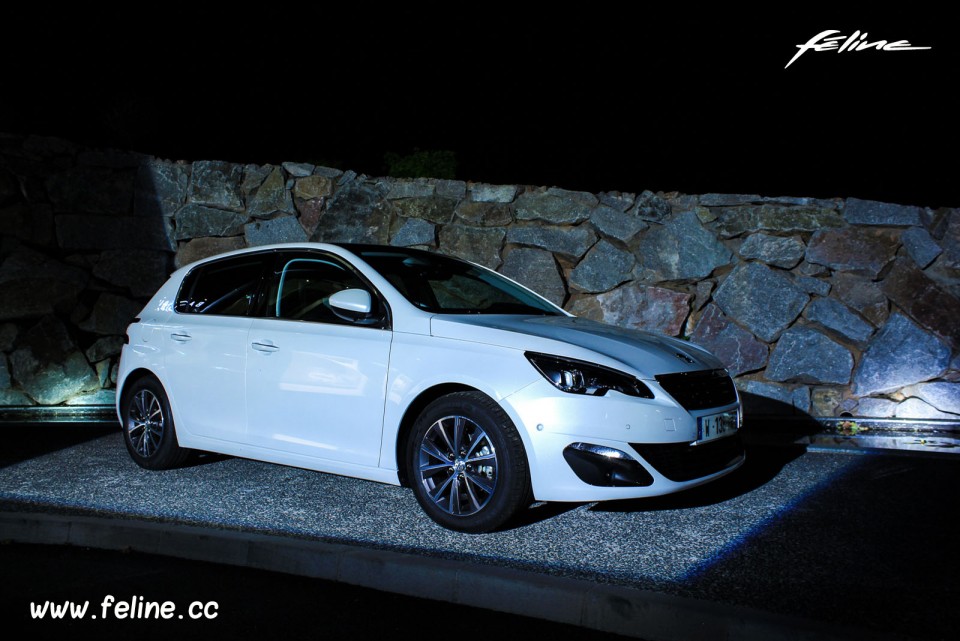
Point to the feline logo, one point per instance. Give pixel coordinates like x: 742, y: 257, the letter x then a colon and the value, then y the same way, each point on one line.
x: 824, y: 41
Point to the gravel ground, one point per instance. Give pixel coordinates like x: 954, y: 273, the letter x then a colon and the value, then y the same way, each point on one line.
x: 851, y: 538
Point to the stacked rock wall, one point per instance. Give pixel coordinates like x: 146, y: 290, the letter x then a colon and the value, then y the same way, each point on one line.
x: 825, y: 307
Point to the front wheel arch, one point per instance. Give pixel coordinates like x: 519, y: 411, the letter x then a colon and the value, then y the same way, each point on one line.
x: 467, y: 463
x: 413, y: 411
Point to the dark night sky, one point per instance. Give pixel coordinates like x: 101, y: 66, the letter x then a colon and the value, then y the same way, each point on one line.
x: 594, y: 99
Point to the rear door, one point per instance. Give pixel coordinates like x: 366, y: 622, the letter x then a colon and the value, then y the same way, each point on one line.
x: 206, y: 346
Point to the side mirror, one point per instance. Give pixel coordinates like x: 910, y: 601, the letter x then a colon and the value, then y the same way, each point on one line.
x: 355, y: 301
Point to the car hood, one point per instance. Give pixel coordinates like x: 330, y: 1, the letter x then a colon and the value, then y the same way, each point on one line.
x: 649, y: 354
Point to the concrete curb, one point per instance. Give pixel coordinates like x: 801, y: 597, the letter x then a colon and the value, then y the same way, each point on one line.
x: 608, y: 608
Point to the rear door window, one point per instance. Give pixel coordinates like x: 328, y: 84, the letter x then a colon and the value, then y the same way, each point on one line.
x: 225, y: 287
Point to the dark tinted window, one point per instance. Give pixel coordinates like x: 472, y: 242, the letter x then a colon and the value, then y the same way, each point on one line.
x: 228, y: 287
x: 302, y: 285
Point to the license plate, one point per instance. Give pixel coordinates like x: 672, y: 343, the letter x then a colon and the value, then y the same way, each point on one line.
x: 716, y: 426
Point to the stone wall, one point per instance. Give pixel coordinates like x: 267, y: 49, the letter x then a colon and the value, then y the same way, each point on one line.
x: 827, y: 306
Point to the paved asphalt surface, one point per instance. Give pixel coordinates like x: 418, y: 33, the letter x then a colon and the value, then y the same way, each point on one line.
x: 861, y: 541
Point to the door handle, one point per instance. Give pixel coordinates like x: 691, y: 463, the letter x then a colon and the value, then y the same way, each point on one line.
x: 180, y: 337
x: 265, y: 347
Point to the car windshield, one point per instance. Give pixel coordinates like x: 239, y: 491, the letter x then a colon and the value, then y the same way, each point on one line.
x: 443, y: 285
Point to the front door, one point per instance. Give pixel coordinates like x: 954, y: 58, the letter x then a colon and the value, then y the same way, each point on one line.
x: 316, y: 377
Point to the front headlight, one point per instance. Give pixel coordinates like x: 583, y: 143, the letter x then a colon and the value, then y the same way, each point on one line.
x: 579, y: 377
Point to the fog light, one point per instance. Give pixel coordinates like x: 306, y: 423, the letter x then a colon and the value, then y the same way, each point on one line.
x: 605, y: 466
x: 602, y: 450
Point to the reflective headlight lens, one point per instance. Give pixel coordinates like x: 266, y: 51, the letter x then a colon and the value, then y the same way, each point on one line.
x: 579, y: 377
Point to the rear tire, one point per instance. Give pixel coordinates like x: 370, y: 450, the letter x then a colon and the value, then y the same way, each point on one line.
x: 148, y: 428
x: 467, y: 463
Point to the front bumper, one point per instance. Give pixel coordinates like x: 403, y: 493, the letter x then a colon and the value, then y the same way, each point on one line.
x: 657, y: 434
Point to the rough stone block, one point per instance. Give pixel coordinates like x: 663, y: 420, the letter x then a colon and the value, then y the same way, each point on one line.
x: 198, y: 221
x: 619, y: 201
x: 924, y: 301
x: 941, y: 395
x: 554, y: 208
x: 826, y: 401
x: 681, y: 249
x: 298, y: 169
x: 764, y: 301
x: 738, y: 349
x: 734, y: 221
x: 161, y: 188
x: 860, y: 250
x: 770, y: 398
x: 451, y: 189
x: 435, y: 210
x: 484, y: 214
x: 313, y: 187
x: 777, y: 251
x: 477, y: 244
x: 49, y: 367
x: 900, y: 354
x: 650, y: 206
x: 537, y: 269
x: 876, y: 408
x: 271, y: 197
x: 572, y: 242
x: 836, y: 316
x: 200, y: 248
x: 483, y: 193
x: 410, y: 188
x: 653, y: 309
x: 804, y: 355
x: 104, y: 348
x: 285, y: 229
x: 728, y: 200
x: 356, y: 213
x: 414, y: 231
x: 871, y: 212
x: 603, y: 268
x: 613, y: 223
x: 811, y: 285
x: 920, y: 246
x: 863, y: 295
x: 217, y: 184
x: 916, y: 408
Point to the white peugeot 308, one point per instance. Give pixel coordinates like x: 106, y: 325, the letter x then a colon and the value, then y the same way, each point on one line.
x: 409, y: 367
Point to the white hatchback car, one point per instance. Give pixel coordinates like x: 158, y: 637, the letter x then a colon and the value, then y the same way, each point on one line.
x: 408, y: 367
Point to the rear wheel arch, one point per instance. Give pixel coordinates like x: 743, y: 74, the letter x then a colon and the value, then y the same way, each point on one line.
x: 130, y: 381
x: 148, y: 425
x: 134, y: 377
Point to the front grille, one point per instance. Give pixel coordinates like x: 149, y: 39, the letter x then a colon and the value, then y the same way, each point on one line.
x: 699, y: 390
x: 685, y: 462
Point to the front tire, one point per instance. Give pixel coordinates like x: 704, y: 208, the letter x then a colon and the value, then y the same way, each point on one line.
x: 468, y: 466
x: 148, y: 429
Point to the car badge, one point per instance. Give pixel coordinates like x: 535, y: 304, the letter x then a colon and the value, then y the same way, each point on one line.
x: 684, y: 358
